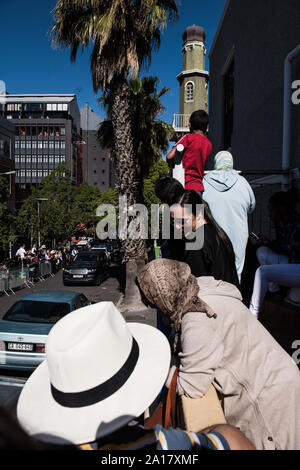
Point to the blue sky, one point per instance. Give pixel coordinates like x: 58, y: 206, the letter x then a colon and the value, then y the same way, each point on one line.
x: 30, y: 64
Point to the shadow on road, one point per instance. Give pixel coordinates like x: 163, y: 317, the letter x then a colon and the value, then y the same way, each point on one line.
x: 118, y: 271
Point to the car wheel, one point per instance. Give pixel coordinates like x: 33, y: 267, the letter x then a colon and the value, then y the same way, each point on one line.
x: 98, y: 281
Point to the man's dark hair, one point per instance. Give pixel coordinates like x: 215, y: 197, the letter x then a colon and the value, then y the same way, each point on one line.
x: 168, y: 190
x: 199, y: 121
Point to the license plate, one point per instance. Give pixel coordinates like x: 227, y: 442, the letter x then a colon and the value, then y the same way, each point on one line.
x: 77, y: 276
x: 19, y: 347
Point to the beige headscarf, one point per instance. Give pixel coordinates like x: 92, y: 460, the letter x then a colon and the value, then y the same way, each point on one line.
x: 170, y: 287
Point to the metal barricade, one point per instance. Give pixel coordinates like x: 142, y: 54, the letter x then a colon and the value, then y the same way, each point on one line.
x: 45, y: 269
x: 4, y: 282
x: 24, y: 276
x: 18, y: 278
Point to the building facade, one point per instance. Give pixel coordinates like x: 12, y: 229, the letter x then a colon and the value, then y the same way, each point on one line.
x: 97, y: 168
x: 248, y: 85
x: 47, y: 132
x: 254, y: 104
x: 7, y: 156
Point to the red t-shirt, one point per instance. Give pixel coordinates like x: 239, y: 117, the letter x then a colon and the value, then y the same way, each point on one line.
x: 197, y: 149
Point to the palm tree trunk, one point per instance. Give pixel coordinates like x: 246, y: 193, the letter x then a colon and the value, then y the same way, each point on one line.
x: 127, y: 184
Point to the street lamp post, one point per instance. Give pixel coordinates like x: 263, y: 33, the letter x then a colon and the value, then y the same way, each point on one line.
x: 39, y: 199
x: 2, y: 174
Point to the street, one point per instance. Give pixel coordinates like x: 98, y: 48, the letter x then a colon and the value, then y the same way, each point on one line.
x: 110, y: 290
x: 11, y: 382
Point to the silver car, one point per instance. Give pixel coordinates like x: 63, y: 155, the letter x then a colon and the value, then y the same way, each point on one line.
x: 26, y: 325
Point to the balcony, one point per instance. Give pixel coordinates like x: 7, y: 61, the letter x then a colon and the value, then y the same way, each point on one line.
x: 181, y: 122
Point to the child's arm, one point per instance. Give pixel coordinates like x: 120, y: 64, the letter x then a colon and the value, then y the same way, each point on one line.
x: 171, y: 158
x: 171, y: 154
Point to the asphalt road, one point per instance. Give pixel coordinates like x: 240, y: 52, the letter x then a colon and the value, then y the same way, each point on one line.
x: 11, y: 382
x: 110, y: 290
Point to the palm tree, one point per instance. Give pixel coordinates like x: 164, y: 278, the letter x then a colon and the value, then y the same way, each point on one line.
x: 123, y: 34
x: 150, y: 135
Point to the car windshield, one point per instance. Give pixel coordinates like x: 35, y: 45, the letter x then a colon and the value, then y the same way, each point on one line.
x: 31, y: 311
x: 85, y: 257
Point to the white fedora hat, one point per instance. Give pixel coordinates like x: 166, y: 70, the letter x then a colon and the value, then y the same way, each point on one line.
x: 99, y: 374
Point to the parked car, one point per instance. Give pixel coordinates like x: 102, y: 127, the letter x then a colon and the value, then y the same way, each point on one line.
x: 100, y: 246
x: 87, y: 267
x: 26, y: 325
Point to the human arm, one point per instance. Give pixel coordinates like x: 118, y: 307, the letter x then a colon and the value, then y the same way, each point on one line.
x: 202, y: 352
x: 252, y: 203
x: 171, y: 158
x: 217, y: 437
x: 171, y: 154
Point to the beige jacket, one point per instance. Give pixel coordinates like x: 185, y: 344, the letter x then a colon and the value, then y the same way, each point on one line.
x: 258, y: 381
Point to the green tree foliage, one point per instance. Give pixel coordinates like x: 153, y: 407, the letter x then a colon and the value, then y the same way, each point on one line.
x: 66, y: 207
x: 7, y: 232
x: 158, y: 170
x: 54, y: 219
x: 151, y: 135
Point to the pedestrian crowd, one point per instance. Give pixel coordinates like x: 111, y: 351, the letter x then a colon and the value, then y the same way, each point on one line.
x: 33, y: 259
x: 107, y: 384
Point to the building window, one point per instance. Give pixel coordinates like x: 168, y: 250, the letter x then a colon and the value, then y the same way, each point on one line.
x: 57, y: 107
x: 45, y: 144
x: 28, y: 144
x: 14, y: 107
x: 40, y: 145
x: 56, y: 159
x: 62, y: 131
x: 40, y: 173
x: 51, y: 145
x: 189, y: 92
x: 51, y: 159
x: 34, y: 144
x: 23, y: 144
x: 33, y: 159
x: 40, y: 159
x: 34, y: 173
x: 62, y: 158
x: 17, y: 158
x: 57, y: 145
x: 63, y: 144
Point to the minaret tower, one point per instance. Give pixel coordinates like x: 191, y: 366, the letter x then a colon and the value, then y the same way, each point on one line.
x: 194, y: 78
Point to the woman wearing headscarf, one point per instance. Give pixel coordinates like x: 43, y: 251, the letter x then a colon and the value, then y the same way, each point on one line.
x: 230, y: 199
x: 219, y: 342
